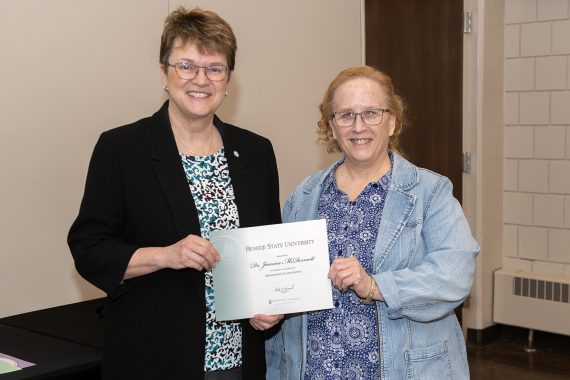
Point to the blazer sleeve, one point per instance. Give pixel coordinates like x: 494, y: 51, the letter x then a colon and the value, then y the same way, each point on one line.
x: 101, y: 256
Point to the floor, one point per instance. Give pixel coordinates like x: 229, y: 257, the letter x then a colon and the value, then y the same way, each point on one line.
x: 506, y: 359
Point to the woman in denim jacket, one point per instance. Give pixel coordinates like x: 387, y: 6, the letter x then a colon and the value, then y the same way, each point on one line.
x: 402, y: 254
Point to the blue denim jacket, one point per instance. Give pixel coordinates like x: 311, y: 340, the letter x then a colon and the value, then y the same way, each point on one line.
x: 424, y: 261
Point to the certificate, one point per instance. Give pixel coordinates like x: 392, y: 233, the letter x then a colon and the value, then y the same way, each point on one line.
x: 274, y: 269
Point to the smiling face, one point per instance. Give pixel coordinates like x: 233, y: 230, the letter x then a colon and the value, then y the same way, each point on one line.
x: 364, y: 146
x: 198, y: 98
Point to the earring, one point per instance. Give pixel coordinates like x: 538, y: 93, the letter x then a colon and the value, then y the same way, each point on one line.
x: 226, y: 93
x: 164, y: 88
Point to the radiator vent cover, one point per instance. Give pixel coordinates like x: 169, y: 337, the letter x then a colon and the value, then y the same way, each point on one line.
x: 531, y: 300
x: 541, y: 289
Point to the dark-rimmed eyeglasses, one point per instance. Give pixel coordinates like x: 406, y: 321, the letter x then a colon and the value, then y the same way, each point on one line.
x: 187, y: 71
x: 345, y: 119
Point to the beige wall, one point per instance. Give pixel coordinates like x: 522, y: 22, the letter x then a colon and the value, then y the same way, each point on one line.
x: 74, y: 68
x: 537, y: 136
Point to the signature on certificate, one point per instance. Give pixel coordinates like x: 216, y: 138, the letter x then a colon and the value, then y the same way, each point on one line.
x: 284, y: 289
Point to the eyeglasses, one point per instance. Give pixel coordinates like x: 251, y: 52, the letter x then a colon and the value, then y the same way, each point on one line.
x: 187, y: 71
x: 345, y: 119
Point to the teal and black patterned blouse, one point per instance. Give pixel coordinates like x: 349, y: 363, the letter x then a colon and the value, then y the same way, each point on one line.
x: 210, y: 184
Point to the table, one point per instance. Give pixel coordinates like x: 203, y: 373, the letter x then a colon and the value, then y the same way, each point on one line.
x: 64, y: 342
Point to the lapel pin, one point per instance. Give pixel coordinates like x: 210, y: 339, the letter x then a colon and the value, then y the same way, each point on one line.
x: 236, y: 153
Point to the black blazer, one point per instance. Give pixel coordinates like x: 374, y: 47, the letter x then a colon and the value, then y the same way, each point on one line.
x: 136, y: 195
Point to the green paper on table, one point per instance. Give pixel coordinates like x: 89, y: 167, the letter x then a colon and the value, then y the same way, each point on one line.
x: 6, y: 367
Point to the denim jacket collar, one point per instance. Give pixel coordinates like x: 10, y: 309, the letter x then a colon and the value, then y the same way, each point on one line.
x: 404, y: 175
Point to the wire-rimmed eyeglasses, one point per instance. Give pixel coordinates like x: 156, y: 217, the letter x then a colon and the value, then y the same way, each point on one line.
x: 345, y: 119
x: 187, y: 71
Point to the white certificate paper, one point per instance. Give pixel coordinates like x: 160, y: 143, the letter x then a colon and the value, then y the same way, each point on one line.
x: 274, y: 269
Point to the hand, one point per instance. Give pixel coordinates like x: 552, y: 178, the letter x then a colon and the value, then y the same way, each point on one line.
x: 264, y: 322
x: 192, y: 252
x: 348, y: 273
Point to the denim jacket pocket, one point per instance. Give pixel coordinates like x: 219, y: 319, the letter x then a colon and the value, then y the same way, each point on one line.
x: 429, y: 363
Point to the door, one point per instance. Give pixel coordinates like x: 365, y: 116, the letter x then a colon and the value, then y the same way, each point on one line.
x: 419, y: 44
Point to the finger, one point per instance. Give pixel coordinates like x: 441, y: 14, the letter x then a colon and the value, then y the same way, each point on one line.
x: 338, y: 280
x: 215, y: 253
x: 212, y: 252
x: 204, y: 256
x: 334, y: 276
x: 346, y: 279
x: 343, y: 260
x: 264, y: 322
x: 185, y: 254
x: 209, y: 247
x: 253, y: 324
x: 256, y: 324
x: 332, y: 273
x: 346, y: 282
x: 346, y: 263
x: 194, y: 260
x: 336, y: 269
x: 268, y: 319
x: 339, y: 265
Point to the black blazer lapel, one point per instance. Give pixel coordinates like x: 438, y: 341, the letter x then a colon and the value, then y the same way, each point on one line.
x: 170, y: 174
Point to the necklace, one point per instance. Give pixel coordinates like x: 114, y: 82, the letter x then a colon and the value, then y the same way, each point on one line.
x: 187, y: 148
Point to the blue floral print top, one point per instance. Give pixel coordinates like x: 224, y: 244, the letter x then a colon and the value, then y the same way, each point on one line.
x: 210, y: 184
x: 343, y: 341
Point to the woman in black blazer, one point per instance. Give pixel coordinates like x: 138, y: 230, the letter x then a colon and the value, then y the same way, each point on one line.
x: 154, y: 190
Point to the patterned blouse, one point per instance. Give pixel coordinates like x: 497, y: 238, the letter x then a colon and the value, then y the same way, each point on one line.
x: 210, y: 184
x: 343, y: 341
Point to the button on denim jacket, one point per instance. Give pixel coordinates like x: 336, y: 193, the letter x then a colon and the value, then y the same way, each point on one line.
x: 424, y: 261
